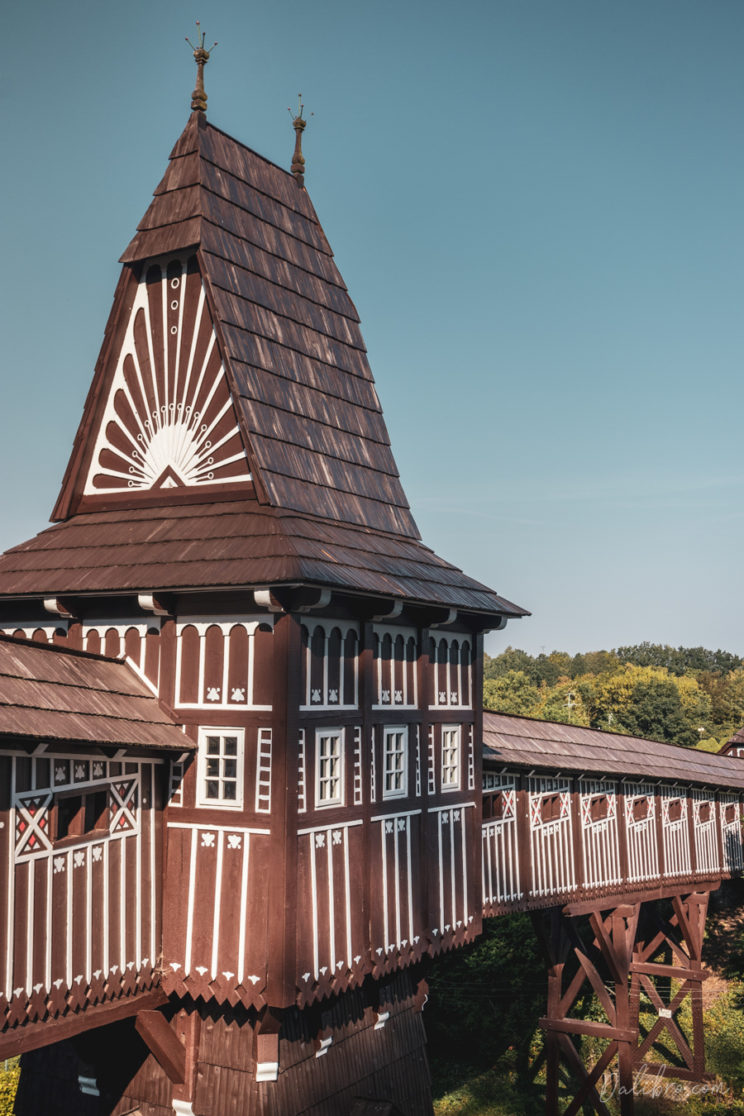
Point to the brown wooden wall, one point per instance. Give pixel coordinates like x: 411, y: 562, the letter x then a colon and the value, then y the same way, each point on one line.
x: 282, y: 895
x: 81, y: 914
x: 556, y: 838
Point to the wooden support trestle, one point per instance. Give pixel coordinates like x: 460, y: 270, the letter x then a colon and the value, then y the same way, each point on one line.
x: 630, y: 955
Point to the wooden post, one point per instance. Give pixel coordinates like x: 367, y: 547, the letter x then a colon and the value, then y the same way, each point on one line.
x: 281, y: 898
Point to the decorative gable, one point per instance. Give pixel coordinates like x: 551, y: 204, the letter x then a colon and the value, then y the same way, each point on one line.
x: 169, y: 420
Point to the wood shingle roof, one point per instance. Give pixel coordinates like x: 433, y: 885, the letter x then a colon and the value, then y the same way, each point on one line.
x: 58, y: 695
x: 321, y: 500
x: 233, y: 544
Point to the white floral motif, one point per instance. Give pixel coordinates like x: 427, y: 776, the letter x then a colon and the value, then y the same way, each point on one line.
x: 79, y: 771
x: 445, y: 817
x: 316, y: 695
x: 79, y: 859
x: 213, y: 693
x: 385, y: 697
x: 398, y: 697
x: 455, y: 815
x: 388, y: 827
x: 319, y: 840
x: 401, y: 824
x: 60, y: 774
x: 332, y: 697
x: 238, y: 693
x: 97, y: 852
x: 453, y: 699
x: 442, y: 697
x: 337, y: 836
x: 234, y: 840
x: 207, y: 840
x: 59, y: 864
x: 98, y: 770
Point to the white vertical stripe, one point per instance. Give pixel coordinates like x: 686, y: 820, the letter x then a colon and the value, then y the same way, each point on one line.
x: 347, y: 885
x: 386, y: 929
x: 123, y: 905
x: 153, y: 872
x: 49, y: 910
x: 31, y: 878
x: 217, y: 903
x: 88, y: 914
x: 106, y: 926
x: 453, y: 872
x: 410, y: 879
x: 69, y: 927
x: 10, y: 913
x: 251, y: 667
x: 314, y: 895
x: 464, y: 872
x: 190, y: 905
x: 201, y: 697
x: 179, y: 645
x: 243, y: 907
x: 331, y: 904
x: 396, y: 842
x: 226, y: 665
x: 441, y: 876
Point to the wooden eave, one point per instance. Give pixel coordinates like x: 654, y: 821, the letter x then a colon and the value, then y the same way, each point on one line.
x: 56, y: 695
x: 528, y: 743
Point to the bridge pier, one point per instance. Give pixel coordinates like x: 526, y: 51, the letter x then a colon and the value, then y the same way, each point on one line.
x: 620, y: 948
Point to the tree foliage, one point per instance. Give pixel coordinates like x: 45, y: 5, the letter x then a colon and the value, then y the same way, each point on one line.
x: 685, y: 695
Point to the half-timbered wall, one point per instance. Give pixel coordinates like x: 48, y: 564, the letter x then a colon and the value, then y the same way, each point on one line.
x: 546, y: 838
x: 80, y: 849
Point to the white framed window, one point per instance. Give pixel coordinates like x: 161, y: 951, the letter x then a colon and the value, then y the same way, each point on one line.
x: 395, y: 762
x: 329, y: 767
x: 220, y: 768
x: 451, y: 756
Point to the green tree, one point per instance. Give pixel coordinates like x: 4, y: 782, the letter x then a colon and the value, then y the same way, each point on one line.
x: 512, y: 692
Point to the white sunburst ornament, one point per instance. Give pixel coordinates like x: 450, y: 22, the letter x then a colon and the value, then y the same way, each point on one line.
x: 169, y: 419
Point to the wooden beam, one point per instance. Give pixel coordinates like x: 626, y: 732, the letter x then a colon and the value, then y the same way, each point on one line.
x: 624, y: 898
x: 32, y: 1036
x: 162, y: 1042
x: 676, y: 972
x: 587, y: 1027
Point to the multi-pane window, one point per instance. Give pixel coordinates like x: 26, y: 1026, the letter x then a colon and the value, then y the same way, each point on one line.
x: 220, y: 781
x: 451, y: 757
x: 329, y: 786
x: 395, y: 766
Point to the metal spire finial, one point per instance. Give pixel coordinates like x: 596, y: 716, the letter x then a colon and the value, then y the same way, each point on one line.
x: 201, y: 57
x: 299, y: 124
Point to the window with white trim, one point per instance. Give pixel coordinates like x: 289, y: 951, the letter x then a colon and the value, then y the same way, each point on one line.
x: 395, y: 762
x: 451, y: 749
x: 329, y: 767
x: 220, y: 771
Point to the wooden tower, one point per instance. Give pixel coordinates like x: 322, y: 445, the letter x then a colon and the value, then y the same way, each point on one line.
x: 232, y: 524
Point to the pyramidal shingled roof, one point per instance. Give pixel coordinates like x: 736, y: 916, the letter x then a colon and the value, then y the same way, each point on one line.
x: 231, y: 310
x: 288, y: 333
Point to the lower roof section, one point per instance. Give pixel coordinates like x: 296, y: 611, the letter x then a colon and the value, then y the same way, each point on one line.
x: 510, y: 741
x: 55, y: 695
x: 234, y: 544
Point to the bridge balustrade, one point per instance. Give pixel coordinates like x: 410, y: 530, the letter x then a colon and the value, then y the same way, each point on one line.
x: 555, y: 838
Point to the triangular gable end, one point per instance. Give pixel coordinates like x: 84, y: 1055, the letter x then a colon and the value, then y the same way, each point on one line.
x: 168, y: 421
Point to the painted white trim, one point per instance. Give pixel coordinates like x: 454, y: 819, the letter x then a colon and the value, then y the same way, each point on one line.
x: 202, y: 798
x: 198, y: 826
x: 323, y: 828
x: 388, y: 732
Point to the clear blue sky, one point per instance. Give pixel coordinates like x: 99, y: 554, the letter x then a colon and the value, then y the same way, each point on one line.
x: 537, y: 208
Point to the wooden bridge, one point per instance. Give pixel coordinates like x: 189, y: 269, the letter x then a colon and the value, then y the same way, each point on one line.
x: 614, y: 845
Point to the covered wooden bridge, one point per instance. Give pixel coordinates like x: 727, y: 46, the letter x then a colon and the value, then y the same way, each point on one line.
x: 614, y: 844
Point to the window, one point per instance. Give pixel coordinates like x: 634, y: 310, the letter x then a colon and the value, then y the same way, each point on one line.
x: 329, y: 767
x: 220, y: 776
x: 451, y: 757
x: 81, y: 814
x: 395, y: 763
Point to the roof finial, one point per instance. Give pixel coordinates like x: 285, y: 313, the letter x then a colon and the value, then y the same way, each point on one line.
x: 201, y: 57
x: 299, y: 123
